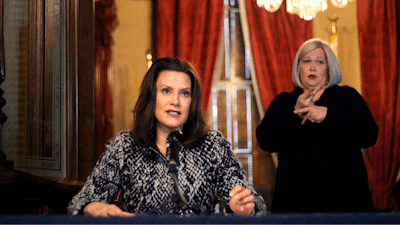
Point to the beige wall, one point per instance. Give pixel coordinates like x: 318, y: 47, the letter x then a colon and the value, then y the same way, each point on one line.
x: 132, y: 40
x: 348, y: 51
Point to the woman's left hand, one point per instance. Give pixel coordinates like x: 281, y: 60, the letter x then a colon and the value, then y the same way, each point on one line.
x: 313, y: 113
x: 242, y: 201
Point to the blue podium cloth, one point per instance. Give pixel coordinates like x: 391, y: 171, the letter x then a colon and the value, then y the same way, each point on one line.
x: 358, y: 218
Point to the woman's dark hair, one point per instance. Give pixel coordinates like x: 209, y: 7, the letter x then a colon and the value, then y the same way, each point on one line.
x: 144, y: 120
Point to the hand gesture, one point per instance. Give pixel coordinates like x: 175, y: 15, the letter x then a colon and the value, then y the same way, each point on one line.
x: 242, y: 201
x: 306, y: 108
x: 100, y: 209
x: 314, y: 113
x: 305, y: 99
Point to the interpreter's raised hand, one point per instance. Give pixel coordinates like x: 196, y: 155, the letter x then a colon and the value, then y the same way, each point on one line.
x: 100, y: 209
x: 305, y: 99
x: 242, y: 201
x: 313, y: 113
x: 305, y: 107
x: 309, y: 97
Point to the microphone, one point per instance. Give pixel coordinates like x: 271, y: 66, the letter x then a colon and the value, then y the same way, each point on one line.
x: 174, y: 139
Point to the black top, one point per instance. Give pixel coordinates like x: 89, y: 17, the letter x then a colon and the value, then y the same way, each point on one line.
x: 320, y: 165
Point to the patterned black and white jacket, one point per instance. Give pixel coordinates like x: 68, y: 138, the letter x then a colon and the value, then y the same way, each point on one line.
x: 142, y: 174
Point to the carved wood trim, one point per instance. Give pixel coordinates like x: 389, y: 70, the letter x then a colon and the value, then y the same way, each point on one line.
x: 81, y: 152
x: 39, y: 47
x: 3, y: 117
x: 72, y: 144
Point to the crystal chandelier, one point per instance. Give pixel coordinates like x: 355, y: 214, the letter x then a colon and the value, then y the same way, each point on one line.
x: 306, y: 9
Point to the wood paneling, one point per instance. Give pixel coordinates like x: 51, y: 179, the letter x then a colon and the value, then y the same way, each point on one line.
x: 80, y: 89
x: 22, y: 192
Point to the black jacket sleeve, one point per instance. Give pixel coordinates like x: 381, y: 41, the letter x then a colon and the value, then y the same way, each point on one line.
x: 349, y: 115
x: 279, y: 123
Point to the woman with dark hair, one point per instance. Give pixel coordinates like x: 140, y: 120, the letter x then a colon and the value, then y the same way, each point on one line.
x: 145, y: 121
x: 138, y: 162
x: 318, y: 129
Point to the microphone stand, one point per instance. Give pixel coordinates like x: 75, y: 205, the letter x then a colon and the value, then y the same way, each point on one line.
x: 174, y: 138
x: 178, y: 194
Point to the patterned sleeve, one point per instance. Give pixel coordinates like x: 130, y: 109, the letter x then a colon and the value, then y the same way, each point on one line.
x: 102, y: 184
x: 231, y: 173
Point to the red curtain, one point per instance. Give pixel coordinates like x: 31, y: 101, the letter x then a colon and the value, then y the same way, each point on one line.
x: 275, y: 39
x: 190, y: 30
x: 105, y: 22
x: 378, y: 25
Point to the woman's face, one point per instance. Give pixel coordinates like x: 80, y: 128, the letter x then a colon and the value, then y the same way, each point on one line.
x: 172, y: 100
x: 314, y: 69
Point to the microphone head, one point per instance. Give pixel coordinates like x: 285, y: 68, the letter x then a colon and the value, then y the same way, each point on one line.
x: 175, y: 135
x: 174, y: 138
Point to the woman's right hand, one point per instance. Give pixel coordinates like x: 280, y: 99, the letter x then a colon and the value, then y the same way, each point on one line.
x: 308, y: 98
x: 305, y: 100
x: 306, y: 109
x: 100, y: 209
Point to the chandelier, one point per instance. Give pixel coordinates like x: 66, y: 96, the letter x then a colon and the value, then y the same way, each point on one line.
x: 306, y: 9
